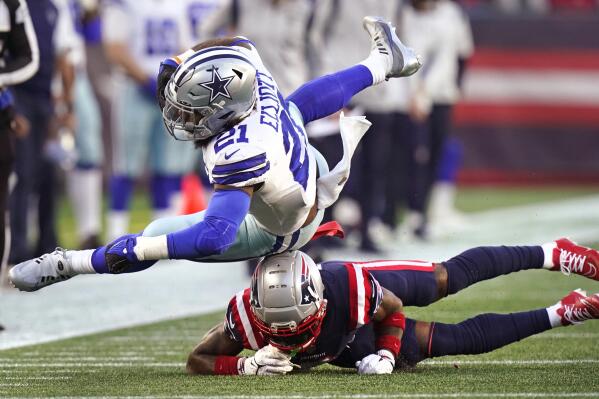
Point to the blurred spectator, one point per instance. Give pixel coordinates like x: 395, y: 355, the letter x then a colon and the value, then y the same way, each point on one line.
x: 336, y: 47
x: 85, y: 179
x: 137, y: 37
x: 35, y: 166
x: 282, y: 40
x: 20, y: 60
x: 440, y: 33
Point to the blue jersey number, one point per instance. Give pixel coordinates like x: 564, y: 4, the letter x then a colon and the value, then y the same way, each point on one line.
x: 162, y: 37
x: 235, y: 135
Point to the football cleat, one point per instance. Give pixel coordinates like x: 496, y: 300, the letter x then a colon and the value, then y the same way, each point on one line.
x: 38, y: 273
x: 568, y: 257
x: 404, y: 60
x: 577, y: 307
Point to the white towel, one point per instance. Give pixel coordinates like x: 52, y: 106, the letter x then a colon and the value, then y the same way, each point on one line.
x: 329, y: 185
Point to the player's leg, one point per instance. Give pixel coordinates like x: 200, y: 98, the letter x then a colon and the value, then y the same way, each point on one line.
x: 487, y: 332
x: 170, y: 160
x: 85, y: 180
x: 329, y: 94
x: 132, y: 119
x: 483, y: 263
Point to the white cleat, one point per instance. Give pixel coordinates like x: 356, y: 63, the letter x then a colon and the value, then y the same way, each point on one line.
x: 38, y: 273
x: 404, y: 60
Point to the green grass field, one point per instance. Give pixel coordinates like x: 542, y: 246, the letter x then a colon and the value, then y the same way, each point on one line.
x: 148, y: 361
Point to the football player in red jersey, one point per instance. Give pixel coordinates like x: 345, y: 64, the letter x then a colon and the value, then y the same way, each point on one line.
x: 350, y: 314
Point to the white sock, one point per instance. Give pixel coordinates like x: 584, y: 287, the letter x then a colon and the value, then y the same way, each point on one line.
x: 81, y: 261
x: 554, y: 319
x: 378, y: 66
x: 548, y: 252
x: 85, y: 191
x: 118, y: 223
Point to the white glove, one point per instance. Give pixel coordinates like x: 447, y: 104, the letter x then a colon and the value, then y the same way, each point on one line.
x: 381, y: 362
x: 267, y: 361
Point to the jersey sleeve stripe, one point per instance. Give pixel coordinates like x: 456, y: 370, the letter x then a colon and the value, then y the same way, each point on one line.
x: 353, y: 297
x: 367, y: 295
x: 361, y: 294
x: 241, y: 177
x: 239, y: 166
x: 245, y: 321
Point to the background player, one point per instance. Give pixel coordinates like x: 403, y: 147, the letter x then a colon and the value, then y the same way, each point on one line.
x: 137, y: 37
x: 350, y: 313
x: 221, y: 96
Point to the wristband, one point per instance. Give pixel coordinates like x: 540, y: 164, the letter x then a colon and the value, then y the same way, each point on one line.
x: 390, y: 343
x: 228, y: 365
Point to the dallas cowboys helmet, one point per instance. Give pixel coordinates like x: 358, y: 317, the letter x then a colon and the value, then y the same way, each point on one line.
x: 287, y: 300
x: 210, y: 92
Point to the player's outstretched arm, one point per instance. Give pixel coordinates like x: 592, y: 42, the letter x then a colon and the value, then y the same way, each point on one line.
x: 215, y: 355
x: 216, y: 343
x: 213, y: 235
x: 389, y: 325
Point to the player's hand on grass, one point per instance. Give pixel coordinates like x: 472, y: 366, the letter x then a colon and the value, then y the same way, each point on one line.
x: 381, y: 362
x: 120, y: 253
x: 267, y: 361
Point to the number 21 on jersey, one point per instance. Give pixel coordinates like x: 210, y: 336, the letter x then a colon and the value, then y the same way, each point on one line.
x: 235, y: 135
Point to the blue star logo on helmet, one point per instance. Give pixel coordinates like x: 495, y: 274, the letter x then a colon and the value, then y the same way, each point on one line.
x: 218, y: 85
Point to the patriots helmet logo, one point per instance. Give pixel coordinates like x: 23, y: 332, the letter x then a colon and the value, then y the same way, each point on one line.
x: 309, y: 294
x: 218, y: 85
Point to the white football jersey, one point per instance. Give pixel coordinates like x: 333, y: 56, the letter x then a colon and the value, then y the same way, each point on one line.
x: 152, y: 29
x: 269, y: 148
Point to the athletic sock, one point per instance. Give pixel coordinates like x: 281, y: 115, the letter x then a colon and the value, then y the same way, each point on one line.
x: 548, y: 254
x: 483, y: 263
x: 485, y: 332
x: 81, y: 261
x: 378, y: 66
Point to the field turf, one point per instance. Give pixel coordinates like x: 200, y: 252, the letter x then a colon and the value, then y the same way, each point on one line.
x: 148, y: 361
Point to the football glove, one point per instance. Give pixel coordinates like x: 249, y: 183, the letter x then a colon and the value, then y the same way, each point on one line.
x: 267, y: 361
x: 381, y: 362
x: 120, y: 254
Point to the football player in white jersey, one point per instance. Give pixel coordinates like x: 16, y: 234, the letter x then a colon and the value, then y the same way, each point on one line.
x: 271, y: 186
x: 137, y: 36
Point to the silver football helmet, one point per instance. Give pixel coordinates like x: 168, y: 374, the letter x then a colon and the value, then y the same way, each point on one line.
x: 287, y: 300
x: 208, y: 93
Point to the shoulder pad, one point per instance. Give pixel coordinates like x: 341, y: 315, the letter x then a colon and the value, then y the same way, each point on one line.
x: 240, y: 165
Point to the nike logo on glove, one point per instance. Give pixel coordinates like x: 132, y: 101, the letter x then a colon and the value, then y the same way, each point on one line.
x: 228, y: 156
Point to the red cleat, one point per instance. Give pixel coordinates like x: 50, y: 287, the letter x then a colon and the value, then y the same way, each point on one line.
x: 572, y: 258
x: 577, y: 307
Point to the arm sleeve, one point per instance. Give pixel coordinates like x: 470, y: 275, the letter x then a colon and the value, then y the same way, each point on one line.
x: 21, y: 44
x: 217, y: 232
x: 65, y: 36
x: 115, y: 25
